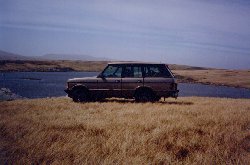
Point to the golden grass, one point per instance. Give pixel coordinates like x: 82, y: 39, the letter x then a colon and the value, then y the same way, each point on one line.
x: 93, y: 66
x: 190, y: 130
x: 47, y: 66
x: 235, y: 78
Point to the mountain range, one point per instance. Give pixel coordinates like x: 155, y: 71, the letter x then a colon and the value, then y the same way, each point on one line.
x: 13, y: 56
x: 73, y: 57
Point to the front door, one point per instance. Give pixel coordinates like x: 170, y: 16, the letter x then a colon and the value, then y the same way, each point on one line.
x: 109, y: 83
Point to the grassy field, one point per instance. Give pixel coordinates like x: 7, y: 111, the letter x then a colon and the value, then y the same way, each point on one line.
x: 48, y: 66
x: 234, y: 78
x: 190, y: 74
x: 190, y: 130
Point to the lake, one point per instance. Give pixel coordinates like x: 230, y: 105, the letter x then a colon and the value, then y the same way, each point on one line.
x: 52, y: 84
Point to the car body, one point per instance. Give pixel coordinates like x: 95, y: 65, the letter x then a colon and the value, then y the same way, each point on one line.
x: 141, y: 81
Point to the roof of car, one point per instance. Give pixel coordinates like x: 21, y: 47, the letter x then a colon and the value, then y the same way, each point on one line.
x: 136, y: 62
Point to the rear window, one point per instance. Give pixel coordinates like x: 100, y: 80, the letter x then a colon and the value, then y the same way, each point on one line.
x: 156, y: 71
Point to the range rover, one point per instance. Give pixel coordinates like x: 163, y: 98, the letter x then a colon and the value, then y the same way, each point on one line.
x: 140, y: 81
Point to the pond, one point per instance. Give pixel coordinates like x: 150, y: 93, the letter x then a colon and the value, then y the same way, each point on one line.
x: 52, y: 84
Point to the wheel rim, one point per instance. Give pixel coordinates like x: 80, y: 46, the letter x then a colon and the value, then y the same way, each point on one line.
x: 80, y: 96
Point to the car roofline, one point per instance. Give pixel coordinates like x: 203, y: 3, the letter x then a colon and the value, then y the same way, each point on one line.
x: 135, y: 62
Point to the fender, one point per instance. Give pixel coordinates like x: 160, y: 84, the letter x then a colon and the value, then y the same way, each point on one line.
x: 79, y: 86
x: 75, y: 87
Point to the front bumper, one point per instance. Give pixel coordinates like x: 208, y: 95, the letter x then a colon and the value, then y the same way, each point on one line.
x: 69, y: 92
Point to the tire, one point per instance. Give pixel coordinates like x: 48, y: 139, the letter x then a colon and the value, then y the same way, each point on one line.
x: 144, y: 96
x: 156, y: 98
x: 80, y: 95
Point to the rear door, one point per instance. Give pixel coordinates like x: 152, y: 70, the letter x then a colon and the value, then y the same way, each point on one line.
x: 131, y: 79
x: 157, y: 77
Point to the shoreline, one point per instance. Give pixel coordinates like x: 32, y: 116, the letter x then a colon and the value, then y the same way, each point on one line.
x: 183, y: 79
x: 214, y: 84
x: 8, y: 95
x: 114, y: 99
x: 187, y: 74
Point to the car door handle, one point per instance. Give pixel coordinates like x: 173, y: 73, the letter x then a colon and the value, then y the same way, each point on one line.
x: 139, y: 81
x: 117, y: 81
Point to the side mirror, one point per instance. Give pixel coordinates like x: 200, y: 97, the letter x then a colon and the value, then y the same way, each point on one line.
x: 100, y: 76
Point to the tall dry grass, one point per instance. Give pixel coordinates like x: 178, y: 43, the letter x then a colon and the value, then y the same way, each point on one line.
x: 191, y: 130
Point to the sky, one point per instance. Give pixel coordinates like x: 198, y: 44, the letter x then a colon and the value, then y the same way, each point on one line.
x: 214, y: 33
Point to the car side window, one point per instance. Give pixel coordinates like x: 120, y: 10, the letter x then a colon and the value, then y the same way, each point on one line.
x: 132, y: 71
x: 128, y: 71
x: 112, y: 71
x: 137, y: 71
x: 151, y: 71
x: 156, y: 71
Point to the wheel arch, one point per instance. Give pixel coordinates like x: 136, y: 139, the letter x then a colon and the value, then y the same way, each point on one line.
x: 79, y: 86
x: 141, y: 88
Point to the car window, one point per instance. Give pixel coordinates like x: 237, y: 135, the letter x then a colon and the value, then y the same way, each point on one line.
x: 112, y: 71
x: 132, y: 71
x: 156, y: 71
x: 137, y: 71
x: 128, y: 71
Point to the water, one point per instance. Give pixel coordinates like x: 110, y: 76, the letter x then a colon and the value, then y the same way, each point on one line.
x: 39, y: 84
x: 212, y: 91
x: 52, y: 84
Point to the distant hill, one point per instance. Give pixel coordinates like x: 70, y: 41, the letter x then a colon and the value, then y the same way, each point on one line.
x: 81, y: 57
x: 7, y: 56
x: 187, y: 67
x: 12, y: 56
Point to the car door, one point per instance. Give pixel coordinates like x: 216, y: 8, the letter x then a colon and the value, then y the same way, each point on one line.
x: 109, y: 81
x: 157, y: 78
x: 131, y: 79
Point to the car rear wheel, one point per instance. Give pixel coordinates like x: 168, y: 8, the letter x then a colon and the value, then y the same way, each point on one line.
x: 144, y: 96
x: 157, y: 98
x: 80, y: 95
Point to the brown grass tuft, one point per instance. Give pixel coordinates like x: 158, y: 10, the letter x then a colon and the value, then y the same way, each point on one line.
x: 191, y: 130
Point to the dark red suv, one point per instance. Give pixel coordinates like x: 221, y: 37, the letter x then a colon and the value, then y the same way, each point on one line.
x: 141, y: 81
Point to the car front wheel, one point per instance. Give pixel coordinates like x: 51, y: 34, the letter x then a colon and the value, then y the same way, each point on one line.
x: 80, y: 95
